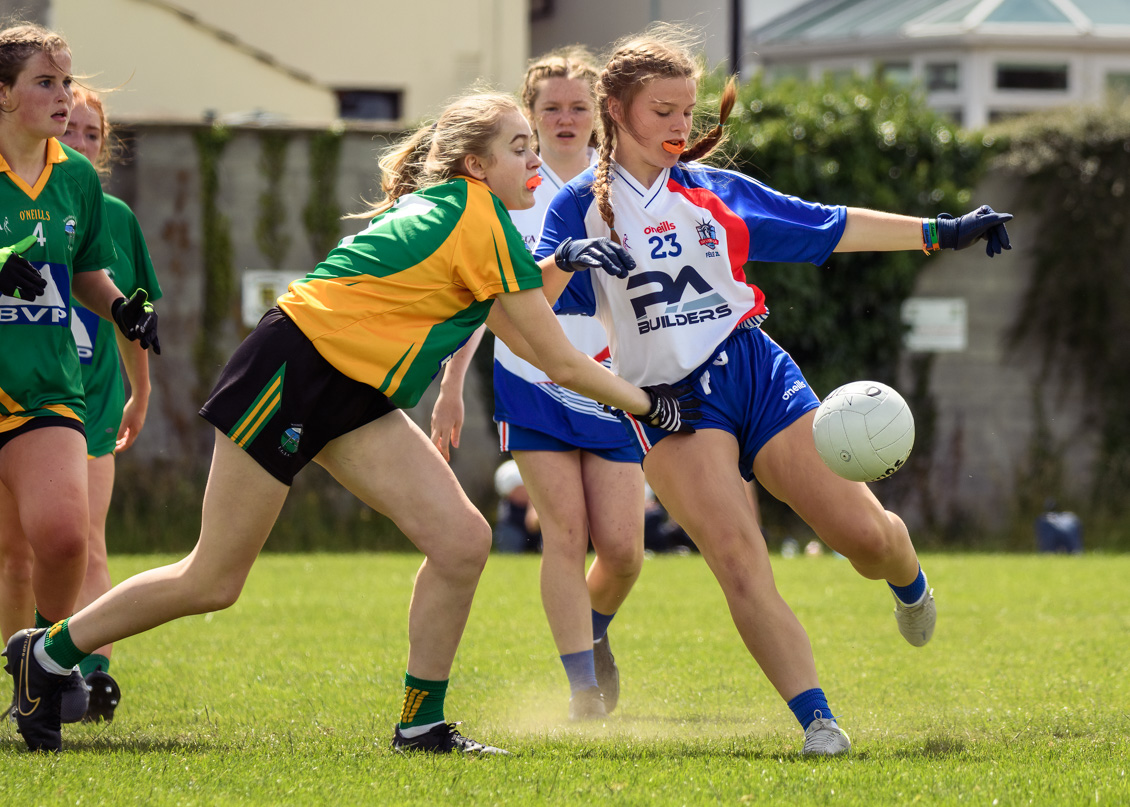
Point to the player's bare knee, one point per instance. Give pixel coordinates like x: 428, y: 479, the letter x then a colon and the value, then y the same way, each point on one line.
x: 623, y: 561
x: 15, y: 569
x: 463, y: 552
x: 869, y: 544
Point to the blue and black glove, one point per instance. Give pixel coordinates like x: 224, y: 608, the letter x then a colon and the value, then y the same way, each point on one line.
x: 137, y: 319
x: 674, y: 407
x: 984, y: 223
x: 593, y: 253
x: 18, y: 278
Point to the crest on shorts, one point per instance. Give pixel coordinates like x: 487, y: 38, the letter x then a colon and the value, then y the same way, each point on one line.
x: 289, y: 440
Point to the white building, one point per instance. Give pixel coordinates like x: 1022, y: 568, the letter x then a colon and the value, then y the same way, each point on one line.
x: 978, y: 60
x: 287, y: 60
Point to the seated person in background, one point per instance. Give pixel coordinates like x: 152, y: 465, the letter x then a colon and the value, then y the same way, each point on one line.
x: 1058, y: 531
x: 517, y: 528
x: 661, y: 533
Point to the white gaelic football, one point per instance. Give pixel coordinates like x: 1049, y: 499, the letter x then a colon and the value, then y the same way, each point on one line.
x: 864, y: 431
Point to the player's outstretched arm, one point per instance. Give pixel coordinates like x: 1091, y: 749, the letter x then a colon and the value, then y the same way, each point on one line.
x: 875, y: 231
x: 528, y: 317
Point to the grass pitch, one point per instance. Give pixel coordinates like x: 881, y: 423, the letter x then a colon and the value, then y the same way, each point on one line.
x: 290, y: 696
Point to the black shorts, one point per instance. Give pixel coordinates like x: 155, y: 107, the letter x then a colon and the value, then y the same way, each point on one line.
x: 281, y: 402
x: 41, y: 423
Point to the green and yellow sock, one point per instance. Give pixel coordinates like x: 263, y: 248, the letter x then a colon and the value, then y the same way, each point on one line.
x: 41, y: 621
x: 59, y: 647
x: 94, y: 662
x: 423, y: 702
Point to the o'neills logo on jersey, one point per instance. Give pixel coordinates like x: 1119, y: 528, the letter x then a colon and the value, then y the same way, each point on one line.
x: 793, y: 390
x: 686, y: 300
x: 665, y: 227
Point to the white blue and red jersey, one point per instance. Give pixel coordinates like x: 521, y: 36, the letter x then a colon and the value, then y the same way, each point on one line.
x: 686, y: 311
x: 525, y: 397
x: 691, y: 234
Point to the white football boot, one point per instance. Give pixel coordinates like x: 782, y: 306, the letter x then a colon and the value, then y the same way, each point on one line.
x: 916, y: 622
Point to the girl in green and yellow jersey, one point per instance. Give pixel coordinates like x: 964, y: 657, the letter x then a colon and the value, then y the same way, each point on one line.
x: 323, y: 378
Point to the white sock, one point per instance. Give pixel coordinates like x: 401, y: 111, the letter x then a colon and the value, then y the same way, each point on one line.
x: 45, y: 661
x: 416, y: 731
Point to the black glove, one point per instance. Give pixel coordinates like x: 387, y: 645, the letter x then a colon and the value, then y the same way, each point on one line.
x: 673, y: 408
x: 18, y: 278
x: 593, y: 253
x: 137, y: 319
x: 983, y: 223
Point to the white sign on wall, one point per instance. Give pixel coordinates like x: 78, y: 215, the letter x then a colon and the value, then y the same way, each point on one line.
x: 937, y: 324
x: 261, y: 287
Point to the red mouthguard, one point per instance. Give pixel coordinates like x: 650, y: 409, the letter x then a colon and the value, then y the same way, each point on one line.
x: 533, y: 182
x: 674, y: 146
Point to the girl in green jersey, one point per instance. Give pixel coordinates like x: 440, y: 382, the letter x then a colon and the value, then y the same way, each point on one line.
x: 112, y: 422
x: 53, y: 219
x: 322, y: 378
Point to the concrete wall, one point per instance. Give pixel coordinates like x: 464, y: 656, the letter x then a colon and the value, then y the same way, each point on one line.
x: 161, y: 183
x: 984, y: 394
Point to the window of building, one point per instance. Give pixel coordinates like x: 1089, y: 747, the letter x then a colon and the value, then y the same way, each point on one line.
x: 1032, y: 77
x: 369, y: 104
x: 782, y: 72
x: 895, y: 72
x: 942, y: 76
x: 1118, y: 84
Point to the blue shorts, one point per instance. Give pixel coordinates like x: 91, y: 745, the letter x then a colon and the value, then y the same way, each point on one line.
x: 751, y: 388
x: 516, y: 438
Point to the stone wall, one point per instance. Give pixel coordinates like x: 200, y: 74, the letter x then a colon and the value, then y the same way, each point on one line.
x: 984, y: 394
x: 160, y: 180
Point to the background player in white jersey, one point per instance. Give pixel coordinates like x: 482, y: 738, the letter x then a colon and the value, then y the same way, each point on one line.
x: 578, y: 464
x: 55, y: 244
x: 687, y: 315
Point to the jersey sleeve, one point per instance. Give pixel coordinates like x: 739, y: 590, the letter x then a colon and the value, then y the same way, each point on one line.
x: 495, y: 259
x: 565, y: 218
x: 145, y: 277
x: 781, y: 227
x: 96, y: 250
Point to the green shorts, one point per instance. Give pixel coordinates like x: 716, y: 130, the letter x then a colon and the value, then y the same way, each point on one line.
x: 105, y: 401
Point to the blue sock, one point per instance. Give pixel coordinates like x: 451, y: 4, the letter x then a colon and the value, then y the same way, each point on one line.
x: 581, y: 670
x: 600, y: 624
x: 809, y: 705
x: 909, y: 595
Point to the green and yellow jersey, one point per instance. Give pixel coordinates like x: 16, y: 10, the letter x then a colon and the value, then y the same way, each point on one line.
x: 39, y: 366
x: 389, y: 305
x: 96, y: 338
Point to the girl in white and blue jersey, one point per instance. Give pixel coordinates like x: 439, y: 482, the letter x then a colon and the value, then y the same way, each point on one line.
x: 577, y: 462
x: 685, y: 315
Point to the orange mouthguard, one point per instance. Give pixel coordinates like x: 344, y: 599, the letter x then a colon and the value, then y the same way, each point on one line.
x: 674, y: 146
x: 533, y: 182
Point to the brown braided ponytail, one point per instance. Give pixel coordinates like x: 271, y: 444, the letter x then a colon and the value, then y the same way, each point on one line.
x: 662, y: 51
